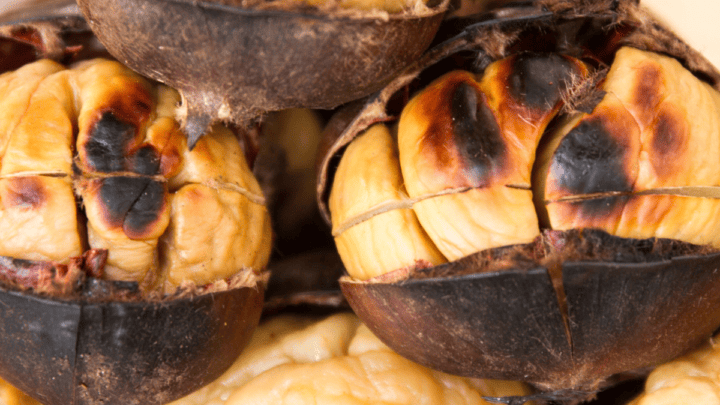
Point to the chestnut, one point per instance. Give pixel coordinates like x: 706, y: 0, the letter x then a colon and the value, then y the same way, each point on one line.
x: 234, y: 61
x: 113, y: 287
x: 541, y: 209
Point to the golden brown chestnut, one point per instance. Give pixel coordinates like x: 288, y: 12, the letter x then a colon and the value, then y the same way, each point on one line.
x: 516, y: 159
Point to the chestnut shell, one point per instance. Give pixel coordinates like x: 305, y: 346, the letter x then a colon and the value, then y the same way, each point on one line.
x: 95, y: 350
x: 250, y: 61
x: 74, y: 352
x: 509, y: 324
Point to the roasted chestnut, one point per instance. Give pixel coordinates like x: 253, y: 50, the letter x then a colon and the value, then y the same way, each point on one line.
x: 132, y: 268
x: 234, y: 61
x: 543, y: 208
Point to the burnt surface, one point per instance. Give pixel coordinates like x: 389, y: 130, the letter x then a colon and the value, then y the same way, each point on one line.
x: 600, y: 208
x: 105, y: 148
x: 630, y: 304
x: 72, y: 352
x: 591, y: 160
x: 538, y: 80
x: 144, y: 161
x: 133, y: 203
x: 476, y: 134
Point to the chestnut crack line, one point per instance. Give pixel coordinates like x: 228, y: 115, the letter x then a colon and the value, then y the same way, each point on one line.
x: 682, y: 191
x: 57, y: 174
x: 405, y: 203
x: 253, y: 197
x: 100, y: 175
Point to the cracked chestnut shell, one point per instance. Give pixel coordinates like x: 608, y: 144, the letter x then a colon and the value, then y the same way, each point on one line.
x: 234, y: 63
x: 564, y: 309
x: 88, y: 328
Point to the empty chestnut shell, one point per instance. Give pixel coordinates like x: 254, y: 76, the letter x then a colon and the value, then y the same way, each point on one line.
x: 233, y: 64
x: 572, y: 308
x: 98, y: 341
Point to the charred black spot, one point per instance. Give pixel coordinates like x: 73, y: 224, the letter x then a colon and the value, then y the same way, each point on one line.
x: 476, y: 133
x: 146, y: 209
x: 106, y: 145
x: 589, y: 160
x: 537, y: 80
x: 145, y: 161
x: 118, y: 194
x: 27, y: 192
x: 135, y: 203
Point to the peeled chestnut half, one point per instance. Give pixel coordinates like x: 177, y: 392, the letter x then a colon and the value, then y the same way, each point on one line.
x: 132, y: 269
x: 544, y: 206
x: 235, y: 60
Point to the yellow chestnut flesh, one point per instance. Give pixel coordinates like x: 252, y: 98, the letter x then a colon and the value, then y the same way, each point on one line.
x: 375, y: 227
x: 484, y: 167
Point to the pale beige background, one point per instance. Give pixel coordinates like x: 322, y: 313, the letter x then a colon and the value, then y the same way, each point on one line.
x: 694, y: 20
x: 698, y: 21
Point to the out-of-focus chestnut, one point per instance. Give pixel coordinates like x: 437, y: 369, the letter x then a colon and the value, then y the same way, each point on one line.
x: 534, y: 138
x: 295, y: 359
x: 691, y: 378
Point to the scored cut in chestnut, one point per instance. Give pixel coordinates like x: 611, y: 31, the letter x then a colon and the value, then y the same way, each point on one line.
x: 132, y: 268
x: 234, y: 61
x: 544, y: 208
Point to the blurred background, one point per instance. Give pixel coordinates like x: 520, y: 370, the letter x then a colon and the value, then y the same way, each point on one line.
x: 694, y: 21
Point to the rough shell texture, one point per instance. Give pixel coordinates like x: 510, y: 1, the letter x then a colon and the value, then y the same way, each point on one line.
x: 508, y: 324
x: 70, y: 352
x: 235, y: 64
x: 517, y: 323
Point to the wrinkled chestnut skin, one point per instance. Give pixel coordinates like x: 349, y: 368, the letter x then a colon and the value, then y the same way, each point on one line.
x: 91, y: 350
x: 248, y: 62
x: 612, y: 317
